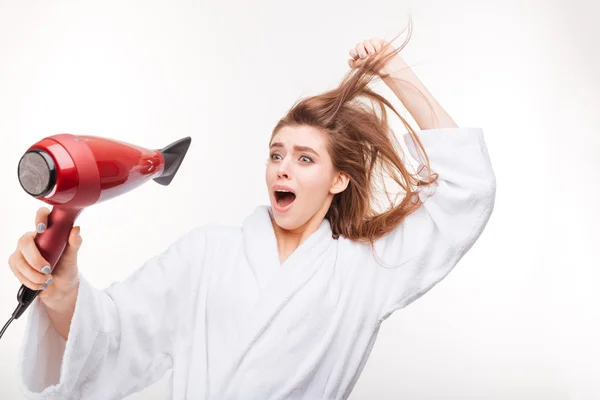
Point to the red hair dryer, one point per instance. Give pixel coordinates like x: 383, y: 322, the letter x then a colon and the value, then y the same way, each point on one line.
x: 73, y: 172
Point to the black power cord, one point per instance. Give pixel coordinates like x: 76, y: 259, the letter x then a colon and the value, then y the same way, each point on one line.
x: 25, y: 297
x: 6, y: 326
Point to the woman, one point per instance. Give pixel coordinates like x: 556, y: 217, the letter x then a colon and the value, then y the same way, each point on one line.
x: 288, y: 305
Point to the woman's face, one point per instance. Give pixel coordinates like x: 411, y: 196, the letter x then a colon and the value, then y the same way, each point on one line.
x: 299, y: 163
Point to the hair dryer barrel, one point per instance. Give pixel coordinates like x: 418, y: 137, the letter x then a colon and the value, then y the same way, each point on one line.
x: 73, y: 172
x: 79, y: 171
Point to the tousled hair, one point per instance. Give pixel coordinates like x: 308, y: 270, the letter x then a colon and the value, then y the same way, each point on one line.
x: 362, y: 145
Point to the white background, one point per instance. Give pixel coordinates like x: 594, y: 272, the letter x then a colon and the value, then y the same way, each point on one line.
x: 519, y: 317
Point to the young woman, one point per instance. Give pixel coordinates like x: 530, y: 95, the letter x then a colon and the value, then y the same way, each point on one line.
x: 288, y: 305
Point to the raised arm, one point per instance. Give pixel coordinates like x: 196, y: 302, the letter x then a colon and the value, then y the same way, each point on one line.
x: 428, y: 243
x: 422, y: 106
x: 401, y: 79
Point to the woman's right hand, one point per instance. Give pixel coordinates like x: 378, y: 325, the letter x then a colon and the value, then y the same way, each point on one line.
x: 27, y: 263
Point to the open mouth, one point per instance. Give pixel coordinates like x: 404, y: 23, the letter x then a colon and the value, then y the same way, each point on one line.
x: 284, y: 198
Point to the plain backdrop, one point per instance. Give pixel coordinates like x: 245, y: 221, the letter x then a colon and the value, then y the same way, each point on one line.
x: 518, y: 318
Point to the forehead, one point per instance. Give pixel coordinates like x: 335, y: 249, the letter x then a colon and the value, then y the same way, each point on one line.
x: 300, y: 135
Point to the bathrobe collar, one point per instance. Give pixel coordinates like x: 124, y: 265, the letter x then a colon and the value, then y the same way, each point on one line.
x: 278, y: 283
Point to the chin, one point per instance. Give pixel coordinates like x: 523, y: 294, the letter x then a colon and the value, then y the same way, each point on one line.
x: 284, y: 221
x: 287, y: 219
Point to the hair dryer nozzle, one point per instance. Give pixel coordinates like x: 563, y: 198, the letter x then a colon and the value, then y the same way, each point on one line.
x: 173, y: 155
x: 37, y: 172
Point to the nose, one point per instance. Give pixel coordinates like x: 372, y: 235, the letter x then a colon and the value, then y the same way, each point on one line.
x: 282, y: 169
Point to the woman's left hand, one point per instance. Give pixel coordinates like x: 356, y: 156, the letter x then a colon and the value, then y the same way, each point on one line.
x: 370, y: 47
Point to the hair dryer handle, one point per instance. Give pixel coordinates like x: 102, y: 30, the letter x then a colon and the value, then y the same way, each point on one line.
x: 51, y: 243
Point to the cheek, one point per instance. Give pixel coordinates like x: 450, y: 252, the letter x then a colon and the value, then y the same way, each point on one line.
x: 269, y: 172
x: 316, y: 182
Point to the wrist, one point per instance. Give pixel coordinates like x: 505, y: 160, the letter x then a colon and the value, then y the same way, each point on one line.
x: 62, y: 301
x: 395, y: 68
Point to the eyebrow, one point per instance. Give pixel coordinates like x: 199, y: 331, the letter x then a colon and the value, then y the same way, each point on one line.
x: 297, y: 148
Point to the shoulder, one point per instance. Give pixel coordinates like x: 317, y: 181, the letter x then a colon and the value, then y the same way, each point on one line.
x: 211, y: 236
x: 353, y: 251
x: 214, y: 232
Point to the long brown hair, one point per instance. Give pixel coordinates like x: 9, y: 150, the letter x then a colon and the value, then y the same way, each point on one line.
x: 362, y: 145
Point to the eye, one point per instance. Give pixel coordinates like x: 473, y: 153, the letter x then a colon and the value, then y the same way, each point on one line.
x: 304, y: 159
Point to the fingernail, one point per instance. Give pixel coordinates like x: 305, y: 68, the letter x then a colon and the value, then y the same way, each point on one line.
x: 50, y: 280
x: 41, y: 227
x: 362, y: 55
x: 46, y: 269
x: 44, y: 287
x: 353, y: 54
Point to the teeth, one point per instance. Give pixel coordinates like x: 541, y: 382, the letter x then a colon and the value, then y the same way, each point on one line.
x: 281, y: 190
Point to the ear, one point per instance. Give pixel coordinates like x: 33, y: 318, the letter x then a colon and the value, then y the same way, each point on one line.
x: 340, y: 183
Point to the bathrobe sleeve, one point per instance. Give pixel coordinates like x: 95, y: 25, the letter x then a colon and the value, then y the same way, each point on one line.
x: 121, y: 338
x: 425, y: 247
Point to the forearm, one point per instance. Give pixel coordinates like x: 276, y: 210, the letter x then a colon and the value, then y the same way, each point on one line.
x: 61, y: 313
x: 406, y: 86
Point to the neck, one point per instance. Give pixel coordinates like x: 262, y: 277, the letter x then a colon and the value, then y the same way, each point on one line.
x: 289, y: 240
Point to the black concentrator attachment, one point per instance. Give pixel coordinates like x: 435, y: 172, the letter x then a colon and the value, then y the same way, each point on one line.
x: 173, y: 155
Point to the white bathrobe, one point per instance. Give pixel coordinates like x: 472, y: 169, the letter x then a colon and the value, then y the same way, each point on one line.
x: 219, y: 309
